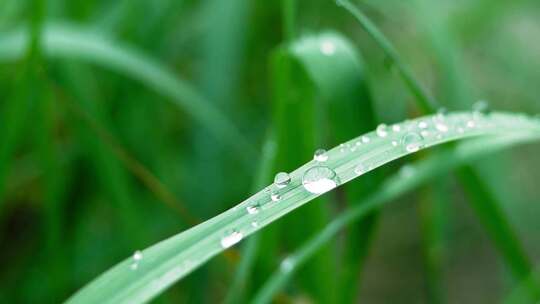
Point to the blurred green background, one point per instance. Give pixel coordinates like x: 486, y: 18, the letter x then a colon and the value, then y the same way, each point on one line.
x: 106, y: 150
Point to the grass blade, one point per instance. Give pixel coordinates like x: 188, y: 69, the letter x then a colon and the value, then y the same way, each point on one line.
x: 172, y: 259
x: 67, y: 41
x: 395, y: 186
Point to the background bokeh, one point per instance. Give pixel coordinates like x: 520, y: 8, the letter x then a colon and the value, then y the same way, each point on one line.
x: 95, y: 163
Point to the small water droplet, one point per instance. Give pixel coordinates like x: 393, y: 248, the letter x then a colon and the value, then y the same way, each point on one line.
x: 137, y: 255
x: 254, y: 224
x: 412, y: 142
x: 439, y: 136
x: 328, y: 48
x: 359, y: 169
x: 320, y: 155
x: 287, y: 264
x: 365, y: 139
x: 422, y: 125
x: 381, y: 130
x: 441, y: 127
x: 471, y: 124
x: 480, y: 107
x: 319, y: 179
x: 134, y: 266
x: 396, y: 128
x: 425, y: 133
x: 394, y: 143
x: 274, y: 196
x: 358, y: 143
x: 231, y: 238
x: 282, y: 179
x: 253, y: 209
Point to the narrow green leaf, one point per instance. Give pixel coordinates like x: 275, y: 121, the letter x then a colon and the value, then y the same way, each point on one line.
x: 422, y: 172
x: 168, y: 261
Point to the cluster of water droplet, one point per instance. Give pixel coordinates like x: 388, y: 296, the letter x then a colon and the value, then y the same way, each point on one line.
x: 320, y: 177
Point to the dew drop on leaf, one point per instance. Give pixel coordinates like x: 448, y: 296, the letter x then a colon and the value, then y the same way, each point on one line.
x: 253, y: 209
x: 231, y: 238
x: 275, y: 197
x: 320, y: 155
x: 412, y: 141
x: 282, y: 179
x: 381, y: 130
x: 319, y: 179
x: 137, y: 255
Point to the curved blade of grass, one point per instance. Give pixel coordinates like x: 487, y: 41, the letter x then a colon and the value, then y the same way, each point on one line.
x: 166, y: 262
x: 337, y: 71
x: 395, y: 186
x: 485, y: 205
x: 68, y: 41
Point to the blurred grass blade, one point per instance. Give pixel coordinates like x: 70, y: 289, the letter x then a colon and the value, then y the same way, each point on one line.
x: 345, y: 109
x: 400, y: 183
x: 425, y: 102
x: 68, y: 41
x: 161, y: 265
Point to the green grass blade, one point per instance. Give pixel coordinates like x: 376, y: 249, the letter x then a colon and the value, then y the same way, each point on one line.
x: 68, y: 41
x: 172, y: 259
x: 424, y: 171
x: 337, y: 72
x: 425, y: 102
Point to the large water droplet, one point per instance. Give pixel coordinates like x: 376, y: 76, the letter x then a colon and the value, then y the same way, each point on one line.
x: 412, y: 141
x: 319, y: 179
x: 282, y: 179
x: 231, y: 238
x: 320, y: 155
x: 381, y: 130
x: 253, y: 209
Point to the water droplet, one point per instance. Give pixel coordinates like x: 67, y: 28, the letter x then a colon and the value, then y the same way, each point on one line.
x: 253, y: 209
x: 381, y: 130
x: 282, y: 179
x: 319, y: 179
x: 254, y: 224
x: 137, y: 255
x: 320, y: 155
x: 425, y: 133
x: 328, y: 48
x: 412, y: 142
x: 422, y: 125
x: 287, y: 264
x: 365, y: 139
x: 439, y: 136
x: 441, y: 127
x: 274, y: 196
x: 471, y: 124
x: 480, y: 107
x: 231, y: 238
x: 134, y: 266
x: 359, y: 169
x: 396, y: 128
x: 394, y: 143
